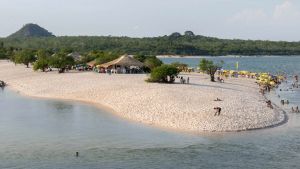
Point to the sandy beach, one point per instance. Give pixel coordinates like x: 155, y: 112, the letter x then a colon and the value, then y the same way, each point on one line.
x: 182, y: 107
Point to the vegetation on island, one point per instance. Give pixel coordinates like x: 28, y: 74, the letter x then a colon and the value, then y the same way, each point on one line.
x: 165, y: 45
x: 32, y: 36
x: 210, y: 68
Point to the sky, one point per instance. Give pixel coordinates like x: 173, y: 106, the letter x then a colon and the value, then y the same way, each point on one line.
x: 229, y: 19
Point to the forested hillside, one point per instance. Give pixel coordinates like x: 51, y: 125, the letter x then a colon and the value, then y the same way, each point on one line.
x: 174, y: 44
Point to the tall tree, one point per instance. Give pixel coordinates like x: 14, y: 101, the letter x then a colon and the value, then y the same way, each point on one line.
x: 210, y: 68
x: 61, y: 61
x: 42, y: 62
x: 25, y: 57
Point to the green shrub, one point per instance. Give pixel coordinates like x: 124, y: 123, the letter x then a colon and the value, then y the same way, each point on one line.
x: 163, y: 74
x: 152, y: 62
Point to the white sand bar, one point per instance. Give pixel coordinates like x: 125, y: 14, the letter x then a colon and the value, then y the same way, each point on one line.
x: 174, y: 106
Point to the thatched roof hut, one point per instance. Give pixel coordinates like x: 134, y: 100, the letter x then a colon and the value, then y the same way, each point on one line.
x: 92, y: 63
x: 75, y: 55
x: 125, y: 61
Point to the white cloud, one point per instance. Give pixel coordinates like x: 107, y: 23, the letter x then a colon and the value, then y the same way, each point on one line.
x: 249, y: 15
x: 281, y: 22
x: 286, y: 11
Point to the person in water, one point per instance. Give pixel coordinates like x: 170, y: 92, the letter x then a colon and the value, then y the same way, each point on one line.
x: 297, y: 110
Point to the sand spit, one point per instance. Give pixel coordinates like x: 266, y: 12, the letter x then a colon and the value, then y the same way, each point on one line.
x: 175, y: 106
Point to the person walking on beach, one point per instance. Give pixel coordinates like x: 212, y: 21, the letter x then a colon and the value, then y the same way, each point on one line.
x: 218, y: 111
x: 297, y: 110
x: 188, y: 80
x: 269, y: 104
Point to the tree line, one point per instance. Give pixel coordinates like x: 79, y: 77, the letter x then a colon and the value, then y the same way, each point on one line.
x: 174, y: 44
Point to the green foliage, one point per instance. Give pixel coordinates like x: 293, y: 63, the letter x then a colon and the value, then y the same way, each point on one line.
x: 61, y: 61
x: 210, y: 68
x: 31, y: 30
x: 174, y: 44
x: 104, y: 57
x: 42, y: 62
x: 163, y: 74
x: 152, y: 62
x: 180, y: 66
x: 140, y: 57
x: 25, y: 57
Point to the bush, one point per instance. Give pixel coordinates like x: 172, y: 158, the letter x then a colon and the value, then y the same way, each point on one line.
x: 42, y: 61
x: 61, y: 61
x: 163, y: 74
x: 152, y: 62
x: 25, y: 57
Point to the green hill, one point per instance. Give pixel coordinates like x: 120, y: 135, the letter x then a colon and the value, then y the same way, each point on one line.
x: 31, y: 30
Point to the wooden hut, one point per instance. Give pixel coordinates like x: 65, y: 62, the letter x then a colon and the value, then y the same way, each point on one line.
x: 124, y: 64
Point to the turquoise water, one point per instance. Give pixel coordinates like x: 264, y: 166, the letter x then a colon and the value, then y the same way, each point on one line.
x: 46, y: 134
x: 273, y: 64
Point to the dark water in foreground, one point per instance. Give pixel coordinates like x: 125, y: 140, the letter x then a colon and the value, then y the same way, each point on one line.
x: 45, y: 134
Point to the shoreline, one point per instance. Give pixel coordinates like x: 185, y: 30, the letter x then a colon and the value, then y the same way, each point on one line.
x: 227, y: 56
x: 168, y: 114
x: 117, y: 115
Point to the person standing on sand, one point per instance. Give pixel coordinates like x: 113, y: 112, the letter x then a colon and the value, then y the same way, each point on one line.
x: 218, y: 111
x: 188, y: 80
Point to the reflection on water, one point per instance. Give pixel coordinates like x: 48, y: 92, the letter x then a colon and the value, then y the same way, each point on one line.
x: 46, y: 134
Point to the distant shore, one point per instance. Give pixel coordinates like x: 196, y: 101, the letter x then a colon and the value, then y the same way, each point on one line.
x: 227, y: 56
x: 182, y: 107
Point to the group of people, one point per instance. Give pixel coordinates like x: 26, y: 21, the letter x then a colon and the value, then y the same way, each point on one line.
x: 219, y: 79
x: 284, y: 102
x: 183, y: 80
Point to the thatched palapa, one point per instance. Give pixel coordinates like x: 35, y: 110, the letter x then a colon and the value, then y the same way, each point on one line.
x: 124, y: 61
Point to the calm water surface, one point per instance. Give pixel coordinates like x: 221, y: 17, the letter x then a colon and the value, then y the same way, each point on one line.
x: 45, y: 134
x: 272, y: 64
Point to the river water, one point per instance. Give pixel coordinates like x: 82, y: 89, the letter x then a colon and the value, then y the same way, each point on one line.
x: 46, y: 134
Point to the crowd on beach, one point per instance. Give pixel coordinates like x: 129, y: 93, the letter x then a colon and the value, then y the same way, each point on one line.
x: 267, y: 88
x: 183, y: 80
